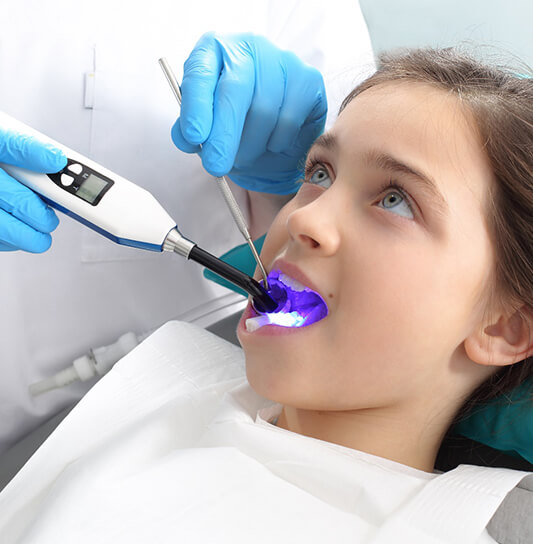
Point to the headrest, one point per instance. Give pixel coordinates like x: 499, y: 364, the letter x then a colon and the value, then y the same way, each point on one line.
x: 505, y: 423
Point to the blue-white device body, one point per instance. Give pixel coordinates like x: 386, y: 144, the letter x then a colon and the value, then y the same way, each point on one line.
x: 93, y: 195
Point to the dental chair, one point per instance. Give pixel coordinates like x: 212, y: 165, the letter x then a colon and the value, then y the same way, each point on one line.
x: 511, y: 524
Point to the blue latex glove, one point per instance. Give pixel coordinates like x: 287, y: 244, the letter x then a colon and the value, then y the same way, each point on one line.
x: 255, y: 109
x: 25, y: 220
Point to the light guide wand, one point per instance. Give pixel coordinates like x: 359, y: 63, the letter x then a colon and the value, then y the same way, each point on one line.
x: 262, y: 300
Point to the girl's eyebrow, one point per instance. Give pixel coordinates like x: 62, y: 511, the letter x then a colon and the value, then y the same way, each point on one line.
x: 328, y: 141
x: 385, y: 161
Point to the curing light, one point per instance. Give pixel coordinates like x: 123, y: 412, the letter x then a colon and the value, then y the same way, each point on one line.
x: 298, y: 305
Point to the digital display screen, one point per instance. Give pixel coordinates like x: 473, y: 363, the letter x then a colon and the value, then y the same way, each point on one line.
x: 91, y: 188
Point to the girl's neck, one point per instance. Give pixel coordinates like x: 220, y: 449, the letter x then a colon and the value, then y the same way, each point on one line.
x: 382, y: 432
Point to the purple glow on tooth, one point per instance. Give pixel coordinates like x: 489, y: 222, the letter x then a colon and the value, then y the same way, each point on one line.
x: 307, y: 305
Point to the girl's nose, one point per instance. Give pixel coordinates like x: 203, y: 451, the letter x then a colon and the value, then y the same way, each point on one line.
x: 314, y: 227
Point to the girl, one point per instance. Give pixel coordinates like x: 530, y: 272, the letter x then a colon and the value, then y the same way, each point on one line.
x: 415, y: 224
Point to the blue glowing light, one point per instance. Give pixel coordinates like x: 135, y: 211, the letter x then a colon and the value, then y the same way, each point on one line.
x: 298, y: 306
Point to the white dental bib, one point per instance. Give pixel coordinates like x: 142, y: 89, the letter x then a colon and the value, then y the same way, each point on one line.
x: 174, y: 446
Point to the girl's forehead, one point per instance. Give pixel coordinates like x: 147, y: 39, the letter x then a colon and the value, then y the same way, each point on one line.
x: 417, y: 121
x: 408, y: 105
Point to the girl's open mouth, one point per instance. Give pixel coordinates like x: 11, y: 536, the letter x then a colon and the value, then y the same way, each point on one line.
x: 298, y: 305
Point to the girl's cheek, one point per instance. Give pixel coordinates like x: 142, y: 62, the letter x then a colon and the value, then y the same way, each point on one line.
x: 274, y: 242
x: 277, y: 236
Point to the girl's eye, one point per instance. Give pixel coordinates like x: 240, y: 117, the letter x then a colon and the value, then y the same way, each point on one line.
x: 397, y: 201
x: 318, y: 175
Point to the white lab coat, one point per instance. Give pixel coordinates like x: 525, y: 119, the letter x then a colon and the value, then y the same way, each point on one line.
x: 173, y: 445
x: 86, y: 74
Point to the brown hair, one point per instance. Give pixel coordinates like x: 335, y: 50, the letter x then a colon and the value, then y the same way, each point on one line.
x: 501, y: 102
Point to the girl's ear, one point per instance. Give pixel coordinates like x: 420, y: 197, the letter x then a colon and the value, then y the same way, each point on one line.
x: 505, y: 342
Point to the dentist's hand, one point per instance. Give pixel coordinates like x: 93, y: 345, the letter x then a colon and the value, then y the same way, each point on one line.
x: 254, y: 108
x: 25, y: 220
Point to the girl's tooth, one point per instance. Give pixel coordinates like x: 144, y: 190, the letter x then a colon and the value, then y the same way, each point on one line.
x: 291, y: 282
x: 292, y: 319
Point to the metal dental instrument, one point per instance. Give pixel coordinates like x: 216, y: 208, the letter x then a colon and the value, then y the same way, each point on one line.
x: 222, y: 183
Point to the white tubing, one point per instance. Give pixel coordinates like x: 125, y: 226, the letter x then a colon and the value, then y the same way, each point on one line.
x: 62, y: 378
x: 97, y: 361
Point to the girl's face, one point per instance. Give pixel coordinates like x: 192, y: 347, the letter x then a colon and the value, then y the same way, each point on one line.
x: 389, y: 229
